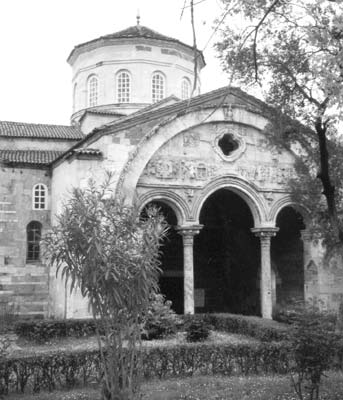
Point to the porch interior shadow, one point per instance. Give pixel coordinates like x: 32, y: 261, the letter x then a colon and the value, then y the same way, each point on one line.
x: 227, y: 257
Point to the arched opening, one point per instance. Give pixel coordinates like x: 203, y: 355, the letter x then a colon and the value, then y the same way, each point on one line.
x: 287, y: 258
x: 226, y: 257
x: 171, y: 279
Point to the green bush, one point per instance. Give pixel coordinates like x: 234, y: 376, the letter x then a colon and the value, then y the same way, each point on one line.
x: 44, y: 330
x: 262, y: 329
x: 315, y: 344
x: 197, y: 330
x: 71, y: 369
x: 160, y: 320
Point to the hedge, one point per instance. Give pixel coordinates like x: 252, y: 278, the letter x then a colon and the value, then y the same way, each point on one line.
x: 263, y: 329
x: 43, y: 330
x: 69, y: 369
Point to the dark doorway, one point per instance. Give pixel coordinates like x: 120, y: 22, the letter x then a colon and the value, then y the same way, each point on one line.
x: 171, y: 279
x: 287, y: 258
x: 226, y: 257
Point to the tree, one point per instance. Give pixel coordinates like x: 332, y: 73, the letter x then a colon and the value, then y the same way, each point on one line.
x: 293, y: 51
x: 111, y: 254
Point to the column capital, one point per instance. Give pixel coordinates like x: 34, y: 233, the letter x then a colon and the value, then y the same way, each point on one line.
x: 189, y: 230
x: 265, y: 232
x: 188, y: 233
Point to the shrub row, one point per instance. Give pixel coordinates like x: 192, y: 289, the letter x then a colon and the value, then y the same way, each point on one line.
x: 259, y: 328
x: 66, y: 370
x: 43, y: 330
x: 265, y: 330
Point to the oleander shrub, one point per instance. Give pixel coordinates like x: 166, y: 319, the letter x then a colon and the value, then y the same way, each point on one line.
x: 197, y: 330
x: 44, y: 330
x: 160, y: 320
x: 259, y: 328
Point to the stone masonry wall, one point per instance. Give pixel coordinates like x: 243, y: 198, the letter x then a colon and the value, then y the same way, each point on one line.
x: 23, y: 285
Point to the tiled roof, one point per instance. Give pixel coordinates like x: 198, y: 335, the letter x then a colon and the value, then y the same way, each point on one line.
x: 136, y: 31
x: 44, y: 131
x: 31, y: 157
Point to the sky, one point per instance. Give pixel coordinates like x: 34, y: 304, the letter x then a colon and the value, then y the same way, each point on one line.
x: 36, y: 37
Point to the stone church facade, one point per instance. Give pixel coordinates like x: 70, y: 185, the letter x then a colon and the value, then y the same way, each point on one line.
x: 237, y: 242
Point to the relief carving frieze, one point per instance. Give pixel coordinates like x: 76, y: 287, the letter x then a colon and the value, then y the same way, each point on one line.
x: 180, y: 169
x: 197, y: 170
x: 267, y: 174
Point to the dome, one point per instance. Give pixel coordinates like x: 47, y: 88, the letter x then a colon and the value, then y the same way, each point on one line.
x: 133, y: 32
x: 126, y: 71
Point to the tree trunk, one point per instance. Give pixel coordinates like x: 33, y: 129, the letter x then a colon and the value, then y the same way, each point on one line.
x: 324, y: 176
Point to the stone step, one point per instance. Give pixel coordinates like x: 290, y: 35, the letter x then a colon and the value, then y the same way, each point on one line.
x: 27, y: 278
x: 32, y: 314
x: 27, y: 288
x: 6, y: 296
x: 28, y: 269
x: 33, y: 306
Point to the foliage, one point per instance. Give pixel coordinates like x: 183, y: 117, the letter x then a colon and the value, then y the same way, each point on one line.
x: 4, y: 345
x: 315, y: 344
x: 293, y: 52
x: 44, y: 330
x: 8, y: 316
x: 160, y: 320
x: 197, y: 330
x: 262, y: 329
x: 74, y: 368
x: 104, y: 249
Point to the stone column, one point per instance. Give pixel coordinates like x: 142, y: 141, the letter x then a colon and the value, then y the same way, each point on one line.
x: 188, y: 233
x: 265, y: 234
x: 306, y: 238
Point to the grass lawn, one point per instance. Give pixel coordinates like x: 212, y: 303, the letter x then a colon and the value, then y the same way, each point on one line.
x: 208, y: 388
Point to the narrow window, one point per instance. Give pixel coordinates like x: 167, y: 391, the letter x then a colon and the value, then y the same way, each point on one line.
x: 185, y: 89
x: 92, y: 91
x: 39, y: 197
x: 123, y: 87
x: 33, y: 234
x: 157, y: 87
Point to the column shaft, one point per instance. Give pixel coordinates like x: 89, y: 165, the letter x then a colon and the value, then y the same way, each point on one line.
x: 265, y: 235
x: 188, y: 234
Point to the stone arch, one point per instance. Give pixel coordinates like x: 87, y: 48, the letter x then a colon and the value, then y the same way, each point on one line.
x: 237, y: 185
x: 288, y: 251
x: 173, y: 200
x: 288, y: 202
x: 169, y: 128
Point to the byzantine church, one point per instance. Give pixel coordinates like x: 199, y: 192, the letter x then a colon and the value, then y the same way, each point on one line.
x: 237, y: 242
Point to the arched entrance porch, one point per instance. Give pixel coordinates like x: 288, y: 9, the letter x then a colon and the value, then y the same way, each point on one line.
x: 287, y: 254
x: 226, y: 257
x: 171, y: 278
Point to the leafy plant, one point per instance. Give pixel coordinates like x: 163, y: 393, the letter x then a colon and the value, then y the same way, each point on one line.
x: 314, y: 344
x: 160, y: 320
x: 197, y: 330
x: 105, y: 249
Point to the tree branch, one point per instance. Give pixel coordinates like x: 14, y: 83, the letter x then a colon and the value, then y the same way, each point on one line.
x: 270, y: 9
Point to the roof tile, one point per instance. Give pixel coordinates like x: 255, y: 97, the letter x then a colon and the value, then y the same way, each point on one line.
x: 39, y: 131
x: 32, y: 157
